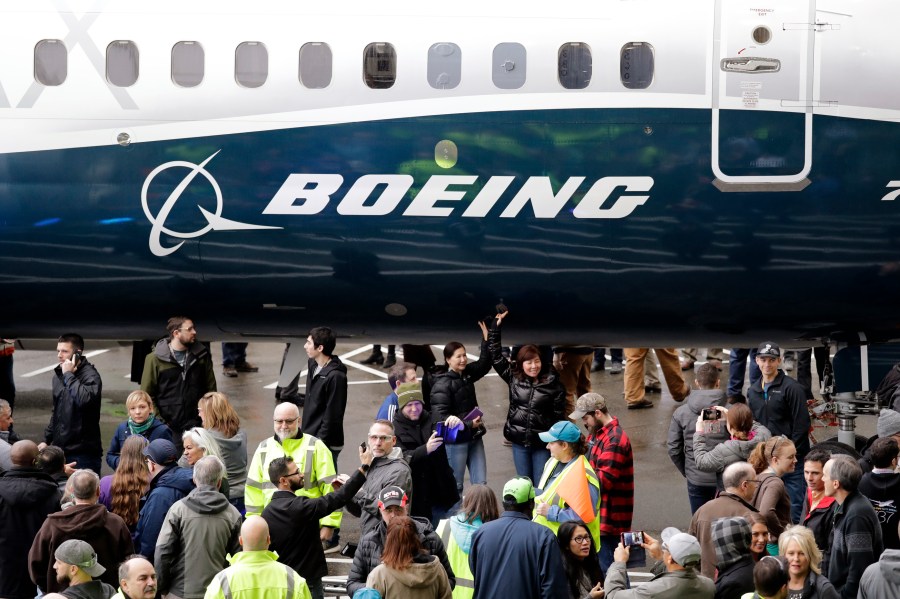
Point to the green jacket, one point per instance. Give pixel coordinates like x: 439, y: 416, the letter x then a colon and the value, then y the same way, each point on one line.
x: 257, y: 575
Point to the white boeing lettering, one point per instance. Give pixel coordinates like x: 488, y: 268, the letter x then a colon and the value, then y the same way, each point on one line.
x: 591, y: 204
x: 539, y: 192
x: 435, y: 190
x: 354, y: 203
x: 380, y: 195
x: 488, y: 196
x: 314, y: 191
x: 893, y: 195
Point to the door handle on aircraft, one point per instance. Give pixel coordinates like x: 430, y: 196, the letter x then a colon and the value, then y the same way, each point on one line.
x: 751, y: 64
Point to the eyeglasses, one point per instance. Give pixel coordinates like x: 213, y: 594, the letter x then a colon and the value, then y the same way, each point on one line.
x: 581, y: 539
x: 382, y: 438
x: 282, y: 421
x: 292, y: 474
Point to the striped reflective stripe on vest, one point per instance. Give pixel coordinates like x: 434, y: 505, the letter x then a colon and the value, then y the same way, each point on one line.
x: 290, y: 581
x: 308, y: 466
x: 444, y: 532
x: 222, y: 577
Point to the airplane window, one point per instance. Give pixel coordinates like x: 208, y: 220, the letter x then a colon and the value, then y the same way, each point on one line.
x: 315, y: 65
x: 444, y: 65
x: 251, y: 64
x: 636, y: 65
x: 122, y: 60
x: 380, y: 65
x: 509, y: 63
x: 574, y: 66
x: 51, y: 62
x: 187, y: 64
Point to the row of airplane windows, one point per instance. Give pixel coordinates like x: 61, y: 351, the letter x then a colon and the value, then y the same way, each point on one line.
x: 444, y: 64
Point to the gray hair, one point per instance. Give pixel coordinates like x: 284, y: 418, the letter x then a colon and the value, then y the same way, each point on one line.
x: 737, y: 473
x: 201, y: 438
x: 208, y: 471
x: 5, y: 407
x: 84, y: 484
x: 846, y: 471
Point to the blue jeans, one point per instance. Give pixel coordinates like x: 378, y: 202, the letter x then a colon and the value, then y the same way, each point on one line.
x: 234, y: 354
x: 530, y: 462
x: 469, y: 454
x: 699, y: 494
x: 796, y: 488
x: 737, y: 369
x: 85, y: 462
x: 608, y: 545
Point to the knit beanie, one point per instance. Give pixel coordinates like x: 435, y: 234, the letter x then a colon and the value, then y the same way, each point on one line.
x: 888, y: 423
x: 408, y: 392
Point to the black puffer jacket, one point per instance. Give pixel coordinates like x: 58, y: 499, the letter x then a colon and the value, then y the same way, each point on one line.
x: 75, y: 422
x: 433, y: 482
x: 534, y: 406
x: 453, y: 394
x: 368, y: 553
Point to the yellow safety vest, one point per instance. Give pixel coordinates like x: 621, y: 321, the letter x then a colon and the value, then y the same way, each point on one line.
x: 312, y: 457
x: 550, y: 496
x: 459, y: 562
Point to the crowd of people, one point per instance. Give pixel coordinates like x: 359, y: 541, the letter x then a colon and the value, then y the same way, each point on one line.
x: 192, y: 512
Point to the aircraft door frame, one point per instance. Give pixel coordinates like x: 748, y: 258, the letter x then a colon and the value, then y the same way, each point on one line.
x: 763, y: 59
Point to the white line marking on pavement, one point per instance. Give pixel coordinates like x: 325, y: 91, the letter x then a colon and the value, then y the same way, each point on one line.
x: 91, y: 354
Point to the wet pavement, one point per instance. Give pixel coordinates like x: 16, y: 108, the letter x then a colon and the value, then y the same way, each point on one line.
x: 660, y: 493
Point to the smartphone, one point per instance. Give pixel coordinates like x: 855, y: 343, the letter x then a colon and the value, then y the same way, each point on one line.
x: 475, y: 413
x: 710, y: 414
x: 364, y: 446
x: 447, y: 433
x: 637, y: 557
x: 76, y: 357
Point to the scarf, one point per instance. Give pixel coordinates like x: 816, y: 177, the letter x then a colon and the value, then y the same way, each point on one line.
x: 140, y: 429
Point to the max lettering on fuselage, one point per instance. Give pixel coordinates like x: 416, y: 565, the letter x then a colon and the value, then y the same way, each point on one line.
x: 309, y: 194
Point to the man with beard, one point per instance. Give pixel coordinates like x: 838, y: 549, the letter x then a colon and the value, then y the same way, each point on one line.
x: 312, y: 457
x: 293, y: 520
x: 76, y: 566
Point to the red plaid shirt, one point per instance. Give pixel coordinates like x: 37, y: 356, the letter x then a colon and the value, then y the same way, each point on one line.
x: 609, y: 452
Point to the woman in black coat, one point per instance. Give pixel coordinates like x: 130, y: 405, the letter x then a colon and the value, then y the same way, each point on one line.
x: 434, y: 487
x: 537, y: 400
x: 452, y: 402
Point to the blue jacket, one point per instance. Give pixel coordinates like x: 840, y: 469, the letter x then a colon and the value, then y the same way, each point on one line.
x: 514, y: 557
x: 169, y: 486
x: 157, y: 430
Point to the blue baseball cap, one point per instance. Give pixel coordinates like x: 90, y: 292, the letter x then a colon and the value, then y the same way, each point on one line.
x: 561, y: 431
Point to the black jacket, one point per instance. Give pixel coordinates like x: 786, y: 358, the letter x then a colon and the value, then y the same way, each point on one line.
x: 855, y: 543
x: 75, y: 422
x: 784, y: 412
x: 533, y: 406
x: 453, y: 394
x: 735, y: 579
x: 27, y: 497
x: 432, y: 476
x: 818, y: 587
x: 326, y: 400
x: 294, y: 526
x: 176, y: 390
x: 883, y: 492
x: 368, y: 553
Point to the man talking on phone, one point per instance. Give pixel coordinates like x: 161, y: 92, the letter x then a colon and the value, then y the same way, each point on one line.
x: 75, y: 422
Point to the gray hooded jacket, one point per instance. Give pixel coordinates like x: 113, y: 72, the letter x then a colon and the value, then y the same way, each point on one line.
x: 882, y: 579
x: 197, y: 535
x: 681, y: 434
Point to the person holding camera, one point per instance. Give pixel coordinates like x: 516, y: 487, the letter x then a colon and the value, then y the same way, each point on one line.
x: 75, y: 421
x: 701, y: 403
x: 679, y: 552
x: 433, y: 483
